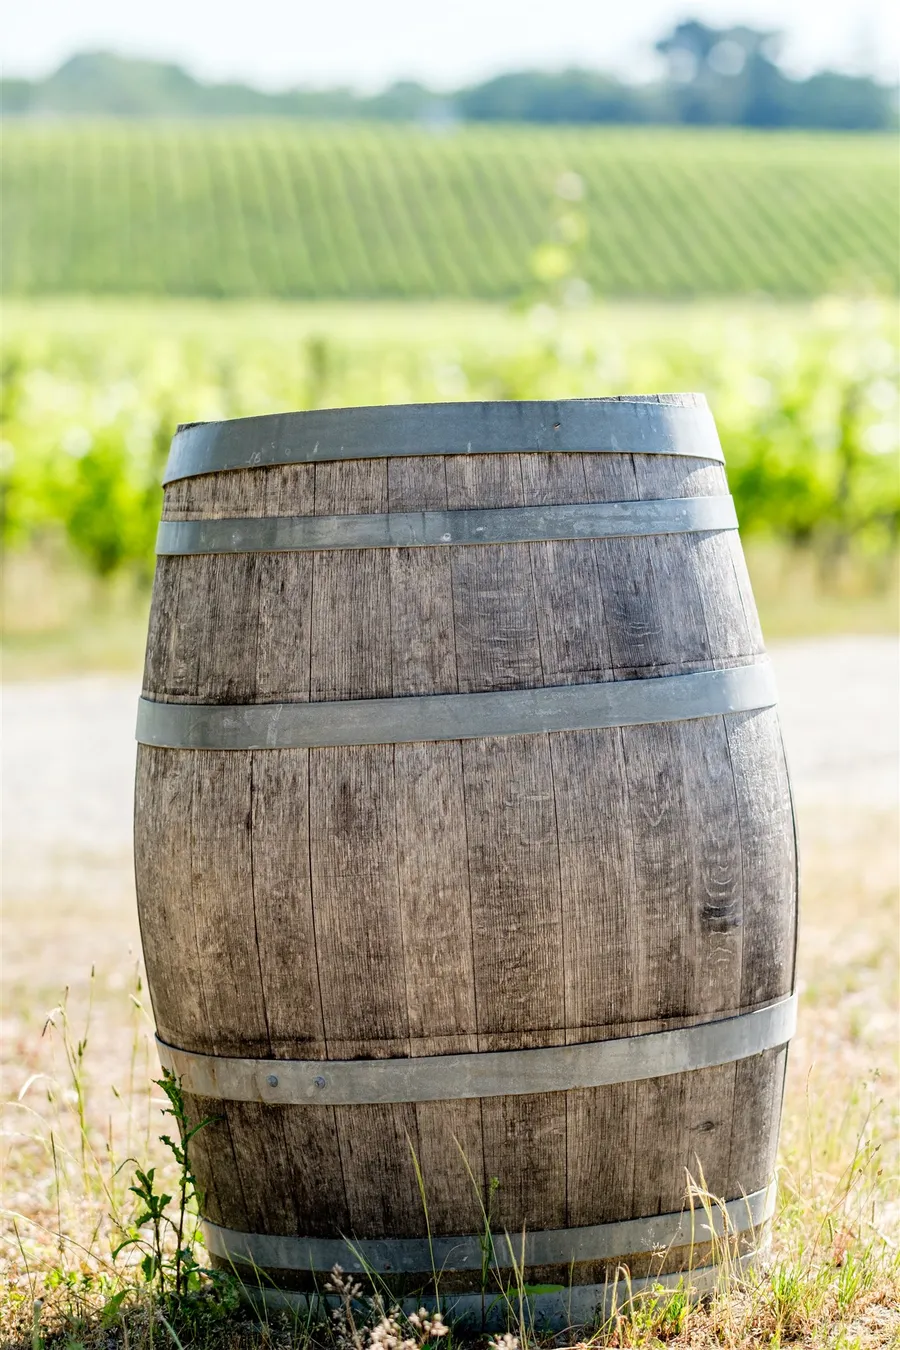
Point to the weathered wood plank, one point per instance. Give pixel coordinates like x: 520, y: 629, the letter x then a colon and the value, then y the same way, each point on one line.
x: 440, y: 983
x: 354, y: 853
x: 311, y: 1143
x: 351, y: 487
x: 434, y: 886
x: 226, y: 924
x: 217, y: 1169
x: 513, y: 857
x: 654, y: 608
x: 525, y: 1149
x: 282, y: 903
x: 225, y: 620
x: 285, y: 490
x: 767, y: 854
x: 285, y: 592
x: 516, y: 904
x: 423, y: 645
x: 684, y: 1134
x: 758, y: 1091
x: 714, y: 883
x: 687, y: 960
x: 703, y: 561
x: 284, y: 628
x: 451, y: 1157
x: 517, y: 932
x: 574, y: 643
x: 600, y: 1153
x: 493, y: 594
x: 164, y: 790
x: 265, y: 1164
x: 432, y: 856
x: 683, y: 1123
x: 351, y: 634
x: 422, y: 637
x: 359, y: 934
x: 351, y: 596
x: 224, y: 920
x: 601, y: 901
x: 377, y: 1144
x: 169, y: 670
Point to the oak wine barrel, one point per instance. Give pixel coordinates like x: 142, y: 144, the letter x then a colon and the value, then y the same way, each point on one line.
x: 464, y: 847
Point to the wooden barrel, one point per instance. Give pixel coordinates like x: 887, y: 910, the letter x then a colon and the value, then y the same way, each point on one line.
x: 464, y: 846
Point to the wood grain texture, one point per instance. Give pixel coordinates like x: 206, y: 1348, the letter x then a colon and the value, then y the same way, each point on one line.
x: 758, y: 1093
x: 767, y: 855
x: 164, y: 787
x: 432, y: 853
x: 479, y: 895
x: 513, y: 860
x: 286, y: 940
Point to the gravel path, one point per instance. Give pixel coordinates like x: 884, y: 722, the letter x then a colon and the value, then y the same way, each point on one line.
x: 68, y: 756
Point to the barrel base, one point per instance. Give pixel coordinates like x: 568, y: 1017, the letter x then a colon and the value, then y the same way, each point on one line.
x: 581, y: 1306
x: 575, y: 1276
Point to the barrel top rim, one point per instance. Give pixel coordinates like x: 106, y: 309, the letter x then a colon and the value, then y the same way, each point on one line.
x: 665, y: 424
x: 693, y: 399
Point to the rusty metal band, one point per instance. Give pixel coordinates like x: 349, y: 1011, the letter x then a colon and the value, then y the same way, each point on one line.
x: 499, y: 1073
x: 550, y: 1247
x: 426, y: 529
x: 450, y: 717
x: 615, y: 426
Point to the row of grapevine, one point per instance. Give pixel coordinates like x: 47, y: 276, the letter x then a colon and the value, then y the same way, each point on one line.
x: 295, y: 210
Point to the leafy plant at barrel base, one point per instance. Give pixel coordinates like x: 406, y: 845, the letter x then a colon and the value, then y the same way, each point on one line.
x: 174, y: 1275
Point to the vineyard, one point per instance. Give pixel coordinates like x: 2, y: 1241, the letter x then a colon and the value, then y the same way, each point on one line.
x: 291, y: 210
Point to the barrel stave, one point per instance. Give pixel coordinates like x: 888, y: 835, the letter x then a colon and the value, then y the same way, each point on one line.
x: 282, y: 916
x: 768, y: 854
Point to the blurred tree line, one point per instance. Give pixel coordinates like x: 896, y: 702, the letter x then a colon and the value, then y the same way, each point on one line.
x: 714, y: 77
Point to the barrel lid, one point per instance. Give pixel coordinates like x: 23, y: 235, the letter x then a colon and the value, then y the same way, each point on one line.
x: 662, y: 424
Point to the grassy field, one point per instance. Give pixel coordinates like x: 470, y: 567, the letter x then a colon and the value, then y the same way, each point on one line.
x: 306, y: 211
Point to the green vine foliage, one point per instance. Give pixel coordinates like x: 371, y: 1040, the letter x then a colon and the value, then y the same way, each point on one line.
x: 164, y: 1231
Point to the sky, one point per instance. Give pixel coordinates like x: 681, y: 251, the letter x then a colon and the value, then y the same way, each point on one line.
x: 369, y: 43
